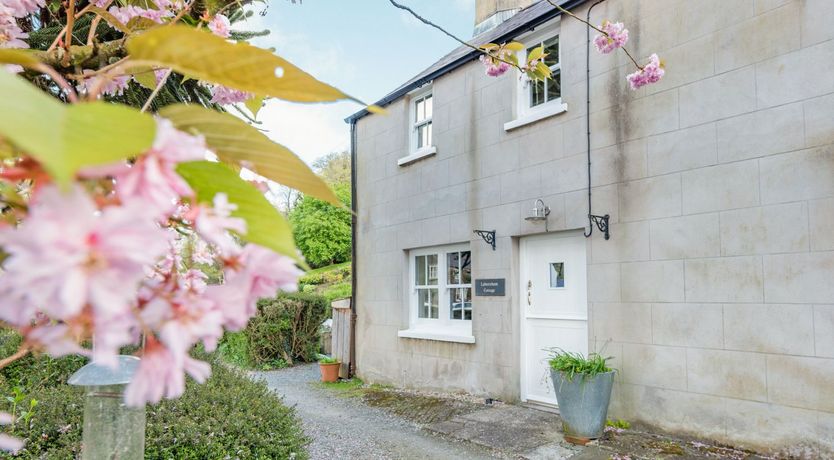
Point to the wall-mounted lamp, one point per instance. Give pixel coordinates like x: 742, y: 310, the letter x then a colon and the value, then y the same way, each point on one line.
x: 539, y: 213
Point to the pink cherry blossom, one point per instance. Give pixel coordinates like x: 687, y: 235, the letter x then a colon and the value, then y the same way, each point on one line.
x: 125, y: 13
x: 57, y: 340
x: 617, y: 36
x: 650, y: 73
x: 152, y: 180
x: 22, y: 8
x: 262, y: 274
x: 220, y: 26
x: 161, y: 374
x: 9, y: 443
x: 214, y: 224
x: 114, y: 86
x: 225, y: 96
x: 494, y: 67
x: 67, y: 254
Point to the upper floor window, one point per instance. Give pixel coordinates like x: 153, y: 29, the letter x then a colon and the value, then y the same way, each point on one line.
x: 422, y: 122
x: 440, y: 302
x: 543, y: 91
x: 420, y: 110
x: 538, y: 99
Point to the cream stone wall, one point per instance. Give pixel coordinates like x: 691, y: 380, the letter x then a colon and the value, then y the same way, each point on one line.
x: 714, y: 293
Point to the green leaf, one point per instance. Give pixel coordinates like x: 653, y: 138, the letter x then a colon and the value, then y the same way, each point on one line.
x: 254, y: 105
x: 514, y: 46
x: 234, y: 141
x: 26, y: 58
x: 145, y: 76
x: 65, y: 138
x: 110, y: 19
x: 264, y: 224
x: 537, y: 53
x: 205, y: 56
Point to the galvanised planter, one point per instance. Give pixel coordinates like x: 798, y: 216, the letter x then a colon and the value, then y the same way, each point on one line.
x: 583, y: 404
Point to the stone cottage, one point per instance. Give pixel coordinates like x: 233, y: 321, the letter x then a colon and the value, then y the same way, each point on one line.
x: 707, y: 268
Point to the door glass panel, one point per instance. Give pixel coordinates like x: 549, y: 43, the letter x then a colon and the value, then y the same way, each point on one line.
x: 557, y: 274
x: 536, y: 92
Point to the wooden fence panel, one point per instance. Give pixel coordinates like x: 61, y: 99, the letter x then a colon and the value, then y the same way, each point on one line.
x: 341, y: 334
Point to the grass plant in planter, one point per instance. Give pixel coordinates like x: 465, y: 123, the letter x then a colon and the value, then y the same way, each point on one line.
x: 583, y: 391
x: 329, y: 368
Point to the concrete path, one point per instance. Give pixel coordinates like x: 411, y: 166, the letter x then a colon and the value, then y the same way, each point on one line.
x: 347, y: 428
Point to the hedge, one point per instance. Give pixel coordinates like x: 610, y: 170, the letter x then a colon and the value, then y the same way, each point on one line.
x: 230, y: 416
x: 286, y: 328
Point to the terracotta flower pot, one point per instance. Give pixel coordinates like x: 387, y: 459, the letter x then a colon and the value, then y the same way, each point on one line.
x: 329, y: 371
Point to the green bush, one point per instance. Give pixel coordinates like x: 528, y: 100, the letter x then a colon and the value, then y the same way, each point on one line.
x: 230, y: 416
x: 286, y: 328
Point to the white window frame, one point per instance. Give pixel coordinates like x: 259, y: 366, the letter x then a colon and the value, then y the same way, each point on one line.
x: 524, y: 113
x: 414, y: 153
x: 442, y: 328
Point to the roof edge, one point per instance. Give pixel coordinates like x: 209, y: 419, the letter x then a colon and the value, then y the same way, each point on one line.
x: 397, y: 94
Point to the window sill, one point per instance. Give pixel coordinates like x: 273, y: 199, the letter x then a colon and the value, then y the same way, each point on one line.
x: 452, y: 336
x: 420, y: 154
x: 544, y: 112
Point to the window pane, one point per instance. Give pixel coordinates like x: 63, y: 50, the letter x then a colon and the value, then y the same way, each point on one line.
x: 420, y: 271
x: 536, y: 92
x: 428, y: 107
x: 421, y: 136
x: 551, y: 48
x: 453, y: 262
x: 419, y: 110
x: 432, y: 265
x: 467, y: 304
x: 427, y: 303
x: 466, y: 267
x: 428, y: 135
x: 460, y: 303
x: 554, y: 87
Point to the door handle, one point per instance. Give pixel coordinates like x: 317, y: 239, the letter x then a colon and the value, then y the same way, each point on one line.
x: 529, y: 292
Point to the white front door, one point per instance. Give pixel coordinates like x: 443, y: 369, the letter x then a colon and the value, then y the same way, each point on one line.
x: 554, y: 309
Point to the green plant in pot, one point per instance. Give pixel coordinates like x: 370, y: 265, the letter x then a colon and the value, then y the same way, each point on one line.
x: 329, y: 368
x: 583, y: 390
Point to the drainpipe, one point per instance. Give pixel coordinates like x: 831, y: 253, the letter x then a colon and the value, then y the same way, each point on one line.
x: 354, y: 211
x: 591, y: 220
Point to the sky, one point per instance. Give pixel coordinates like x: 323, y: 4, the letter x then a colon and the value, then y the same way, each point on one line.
x: 366, y: 48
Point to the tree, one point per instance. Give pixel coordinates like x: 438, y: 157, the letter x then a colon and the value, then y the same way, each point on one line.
x: 334, y: 167
x: 322, y: 230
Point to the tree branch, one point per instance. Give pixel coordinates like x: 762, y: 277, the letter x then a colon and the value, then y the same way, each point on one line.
x: 21, y: 352
x: 452, y: 36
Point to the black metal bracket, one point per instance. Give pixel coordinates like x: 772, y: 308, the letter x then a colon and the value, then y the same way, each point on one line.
x: 488, y: 236
x: 601, y: 222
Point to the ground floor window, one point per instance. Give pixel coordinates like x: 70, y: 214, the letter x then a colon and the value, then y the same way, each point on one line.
x: 440, y: 299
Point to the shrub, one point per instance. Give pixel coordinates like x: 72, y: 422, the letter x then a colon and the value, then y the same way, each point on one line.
x: 287, y: 328
x: 230, y: 416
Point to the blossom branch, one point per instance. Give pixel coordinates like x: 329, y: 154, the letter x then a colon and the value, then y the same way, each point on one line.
x: 21, y: 352
x: 70, y: 25
x: 449, y: 34
x: 59, y: 80
x: 564, y: 11
x: 156, y: 90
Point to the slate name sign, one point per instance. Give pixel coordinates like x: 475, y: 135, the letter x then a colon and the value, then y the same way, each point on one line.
x: 489, y: 287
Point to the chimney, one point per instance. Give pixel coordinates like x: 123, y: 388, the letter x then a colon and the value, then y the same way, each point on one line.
x: 490, y: 13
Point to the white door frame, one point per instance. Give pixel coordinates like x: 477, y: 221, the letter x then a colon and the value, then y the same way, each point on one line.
x: 522, y: 299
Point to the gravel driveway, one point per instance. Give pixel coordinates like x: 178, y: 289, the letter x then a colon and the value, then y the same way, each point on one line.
x: 346, y: 428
